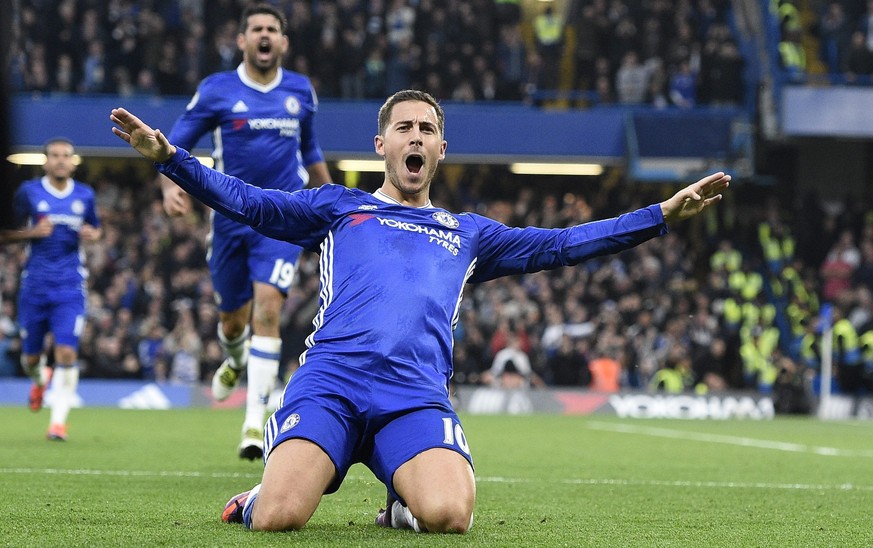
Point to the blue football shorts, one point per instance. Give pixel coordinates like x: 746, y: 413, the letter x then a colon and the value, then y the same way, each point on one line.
x: 238, y: 256
x: 43, y: 309
x: 356, y: 416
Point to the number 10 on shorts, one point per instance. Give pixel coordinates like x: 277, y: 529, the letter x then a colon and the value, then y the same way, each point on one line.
x: 453, y: 432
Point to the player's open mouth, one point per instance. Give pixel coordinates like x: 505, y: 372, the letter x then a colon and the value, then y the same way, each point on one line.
x: 414, y: 163
x: 264, y: 46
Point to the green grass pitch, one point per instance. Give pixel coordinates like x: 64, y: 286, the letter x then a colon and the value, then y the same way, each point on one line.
x: 161, y: 478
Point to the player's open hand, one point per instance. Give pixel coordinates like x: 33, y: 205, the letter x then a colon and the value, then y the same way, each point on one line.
x: 694, y: 198
x: 151, y: 143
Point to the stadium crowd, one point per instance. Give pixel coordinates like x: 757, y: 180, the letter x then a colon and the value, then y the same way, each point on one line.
x: 825, y: 42
x: 663, y: 52
x: 735, y: 304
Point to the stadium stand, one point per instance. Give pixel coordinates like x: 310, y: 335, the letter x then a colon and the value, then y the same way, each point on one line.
x: 739, y: 314
x: 464, y: 51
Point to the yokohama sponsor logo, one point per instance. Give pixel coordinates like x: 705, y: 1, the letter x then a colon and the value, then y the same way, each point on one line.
x: 73, y: 221
x: 274, y: 123
x: 447, y: 235
x: 691, y: 407
x: 444, y: 238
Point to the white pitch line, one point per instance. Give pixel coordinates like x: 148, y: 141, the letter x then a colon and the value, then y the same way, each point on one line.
x: 731, y: 440
x: 480, y: 479
x: 700, y: 484
x: 128, y: 473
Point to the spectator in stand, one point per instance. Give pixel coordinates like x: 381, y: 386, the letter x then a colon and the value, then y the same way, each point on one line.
x: 675, y: 376
x: 511, y: 368
x: 839, y: 266
x: 592, y: 35
x: 402, y: 62
x: 834, y: 30
x: 605, y: 370
x: 183, y: 346
x: 150, y: 351
x: 863, y: 275
x: 792, y: 56
x: 683, y: 86
x: 224, y: 54
x: 375, y: 76
x: 631, y: 80
x: 604, y: 91
x: 511, y: 63
x: 656, y: 89
x: 210, y: 360
x: 625, y: 34
x: 722, y: 69
x: 400, y: 22
x: 508, y: 12
x: 865, y: 25
x: 710, y: 368
x: 66, y: 75
x: 792, y: 392
x: 168, y: 75
x: 62, y: 25
x: 858, y: 65
x: 549, y: 38
x: 568, y: 366
x: 353, y: 53
x: 145, y: 83
x: 847, y: 359
x: 193, y: 62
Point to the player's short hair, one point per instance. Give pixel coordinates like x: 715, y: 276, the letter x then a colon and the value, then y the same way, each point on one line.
x: 410, y: 95
x: 56, y: 140
x: 265, y: 9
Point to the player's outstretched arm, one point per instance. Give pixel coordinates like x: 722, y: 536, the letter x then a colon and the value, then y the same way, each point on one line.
x: 694, y: 198
x: 149, y: 142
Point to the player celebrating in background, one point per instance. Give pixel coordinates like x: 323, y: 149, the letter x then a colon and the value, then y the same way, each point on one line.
x: 56, y: 213
x: 373, y: 383
x: 261, y: 119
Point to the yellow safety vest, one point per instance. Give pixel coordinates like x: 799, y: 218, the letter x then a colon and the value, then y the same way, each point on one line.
x: 844, y: 333
x: 549, y: 29
x: 792, y: 55
x: 733, y: 311
x: 809, y: 349
x: 670, y: 380
x: 747, y: 284
x: 730, y: 260
x: 796, y: 315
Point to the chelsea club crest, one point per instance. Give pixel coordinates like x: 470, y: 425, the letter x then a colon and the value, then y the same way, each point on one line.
x: 292, y: 421
x: 292, y: 105
x: 446, y: 219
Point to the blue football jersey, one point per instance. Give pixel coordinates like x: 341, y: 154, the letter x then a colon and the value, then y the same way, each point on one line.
x: 262, y: 134
x: 56, y: 260
x: 392, y: 276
